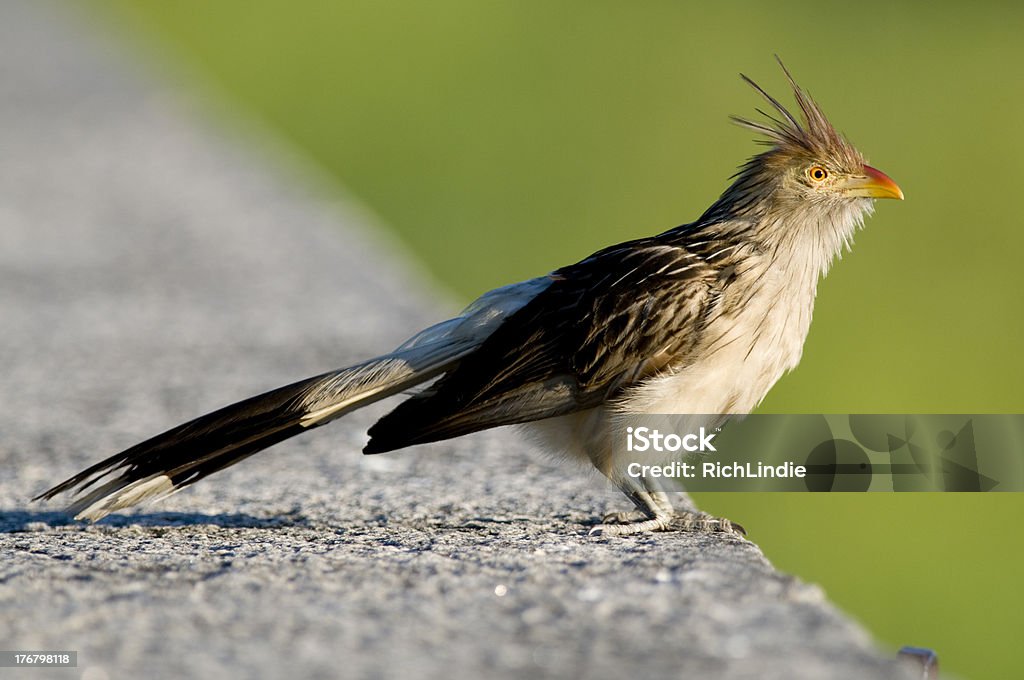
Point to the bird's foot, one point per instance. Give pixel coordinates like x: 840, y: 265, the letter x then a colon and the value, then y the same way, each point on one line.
x: 705, y: 523
x: 636, y: 521
x: 626, y: 517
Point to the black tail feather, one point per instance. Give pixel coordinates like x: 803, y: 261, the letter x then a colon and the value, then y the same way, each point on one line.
x: 191, y: 451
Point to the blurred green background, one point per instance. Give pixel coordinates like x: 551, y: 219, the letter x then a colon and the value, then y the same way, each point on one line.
x: 503, y: 139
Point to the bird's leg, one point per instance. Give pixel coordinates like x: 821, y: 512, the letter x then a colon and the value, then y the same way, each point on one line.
x: 655, y: 513
x: 650, y: 503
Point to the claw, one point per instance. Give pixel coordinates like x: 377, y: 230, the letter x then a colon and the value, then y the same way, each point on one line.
x: 626, y: 523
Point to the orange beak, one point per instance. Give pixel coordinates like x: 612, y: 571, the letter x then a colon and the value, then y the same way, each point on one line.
x: 872, y: 184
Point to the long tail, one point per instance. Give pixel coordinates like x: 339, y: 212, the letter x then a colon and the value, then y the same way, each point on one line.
x: 189, y: 452
x: 185, y: 454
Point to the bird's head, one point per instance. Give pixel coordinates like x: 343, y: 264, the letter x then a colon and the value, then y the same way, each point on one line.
x: 810, y: 179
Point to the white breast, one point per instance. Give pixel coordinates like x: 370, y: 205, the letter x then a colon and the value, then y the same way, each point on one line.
x: 744, y: 353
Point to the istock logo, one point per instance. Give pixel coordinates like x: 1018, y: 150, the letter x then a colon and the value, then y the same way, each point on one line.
x: 646, y: 439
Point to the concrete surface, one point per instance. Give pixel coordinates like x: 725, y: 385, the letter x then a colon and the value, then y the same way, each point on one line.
x: 150, y: 270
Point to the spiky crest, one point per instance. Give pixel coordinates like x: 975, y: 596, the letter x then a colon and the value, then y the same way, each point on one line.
x: 813, y: 136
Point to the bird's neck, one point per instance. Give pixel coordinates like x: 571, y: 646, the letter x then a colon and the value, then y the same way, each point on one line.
x: 803, y: 237
x: 810, y: 238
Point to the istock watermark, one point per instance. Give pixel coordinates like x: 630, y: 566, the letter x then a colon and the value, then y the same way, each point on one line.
x: 916, y: 452
x: 647, y: 439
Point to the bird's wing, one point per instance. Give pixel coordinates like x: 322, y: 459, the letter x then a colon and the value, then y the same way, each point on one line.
x: 603, y: 324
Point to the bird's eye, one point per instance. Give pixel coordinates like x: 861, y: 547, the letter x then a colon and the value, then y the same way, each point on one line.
x: 817, y: 173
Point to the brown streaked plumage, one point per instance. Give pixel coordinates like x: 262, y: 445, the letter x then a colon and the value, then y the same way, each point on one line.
x: 701, y: 319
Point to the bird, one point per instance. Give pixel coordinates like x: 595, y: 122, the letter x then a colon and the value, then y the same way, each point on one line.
x: 703, y: 318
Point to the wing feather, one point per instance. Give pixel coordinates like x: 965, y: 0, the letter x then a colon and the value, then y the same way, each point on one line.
x: 621, y: 315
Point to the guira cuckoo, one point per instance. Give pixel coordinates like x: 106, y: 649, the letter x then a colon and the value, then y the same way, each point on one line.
x: 700, y: 319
